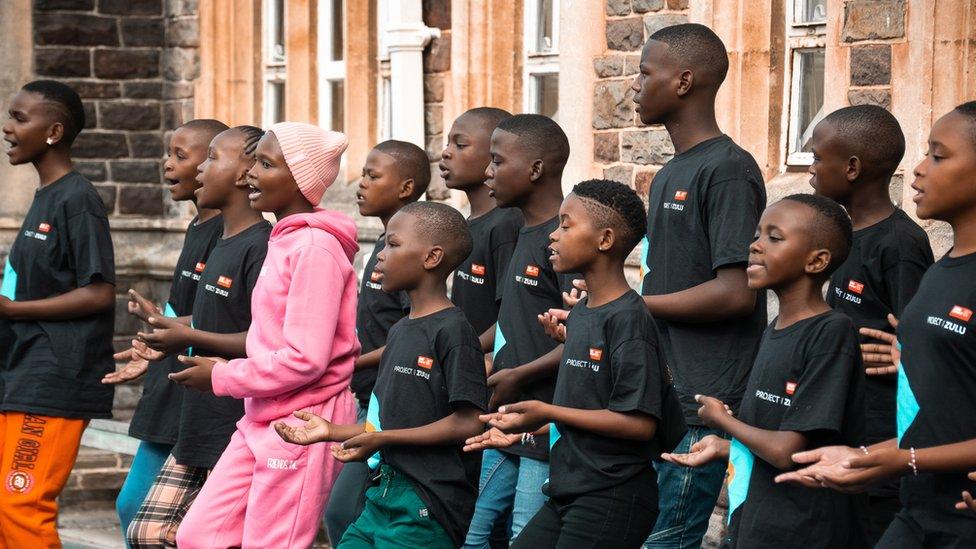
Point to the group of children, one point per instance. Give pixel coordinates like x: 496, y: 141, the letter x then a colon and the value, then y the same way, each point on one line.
x: 447, y: 398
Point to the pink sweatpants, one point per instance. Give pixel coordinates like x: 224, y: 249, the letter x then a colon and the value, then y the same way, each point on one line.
x: 265, y: 492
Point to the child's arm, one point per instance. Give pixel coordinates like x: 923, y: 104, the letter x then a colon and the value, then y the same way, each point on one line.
x: 316, y: 429
x: 487, y: 339
x: 723, y: 297
x: 96, y: 297
x: 170, y: 335
x: 530, y: 415
x: 451, y: 430
x: 370, y: 359
x: 774, y: 447
x: 506, y: 384
x: 311, y: 318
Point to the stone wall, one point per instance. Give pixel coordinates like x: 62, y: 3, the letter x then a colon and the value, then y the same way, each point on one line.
x: 625, y: 149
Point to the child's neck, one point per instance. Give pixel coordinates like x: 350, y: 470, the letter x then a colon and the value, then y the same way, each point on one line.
x: 800, y: 300
x: 543, y: 202
x: 480, y: 199
x: 870, y: 205
x: 204, y: 214
x: 53, y: 165
x: 238, y: 216
x: 297, y: 207
x: 963, y: 234
x: 607, y: 280
x: 691, y: 126
x: 429, y: 297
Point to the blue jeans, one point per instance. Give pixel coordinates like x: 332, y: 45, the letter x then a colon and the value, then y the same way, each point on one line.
x: 507, y: 481
x: 687, y: 497
x: 145, y: 466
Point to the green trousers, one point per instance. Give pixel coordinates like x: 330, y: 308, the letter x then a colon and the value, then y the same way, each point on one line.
x: 395, y: 516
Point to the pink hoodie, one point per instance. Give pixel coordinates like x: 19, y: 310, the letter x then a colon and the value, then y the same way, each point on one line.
x: 302, y: 342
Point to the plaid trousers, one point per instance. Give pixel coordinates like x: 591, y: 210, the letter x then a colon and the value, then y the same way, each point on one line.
x: 168, y: 501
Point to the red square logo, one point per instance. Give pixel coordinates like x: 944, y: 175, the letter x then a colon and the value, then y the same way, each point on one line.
x: 855, y: 286
x: 477, y: 269
x: 531, y: 270
x: 44, y: 228
x: 596, y: 354
x: 425, y: 362
x: 375, y: 276
x: 224, y: 281
x: 681, y: 195
x: 200, y: 267
x: 961, y: 313
x: 790, y: 387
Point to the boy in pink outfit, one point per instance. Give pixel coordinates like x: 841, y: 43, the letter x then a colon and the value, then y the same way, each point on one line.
x: 301, y: 348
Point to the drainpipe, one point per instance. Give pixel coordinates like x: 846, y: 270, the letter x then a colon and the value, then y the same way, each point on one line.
x: 406, y: 37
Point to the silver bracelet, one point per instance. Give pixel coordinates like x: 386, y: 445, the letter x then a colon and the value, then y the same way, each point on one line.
x: 528, y: 439
x: 913, y: 463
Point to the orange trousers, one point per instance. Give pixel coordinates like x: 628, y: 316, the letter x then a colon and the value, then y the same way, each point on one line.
x: 37, y: 454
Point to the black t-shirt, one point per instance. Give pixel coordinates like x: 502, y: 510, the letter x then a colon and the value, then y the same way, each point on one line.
x: 476, y: 281
x: 222, y: 305
x: 703, y: 211
x: 157, y: 416
x: 611, y: 361
x: 431, y: 365
x: 530, y: 288
x: 879, y: 277
x: 55, y: 367
x: 376, y: 312
x: 807, y: 378
x: 937, y: 384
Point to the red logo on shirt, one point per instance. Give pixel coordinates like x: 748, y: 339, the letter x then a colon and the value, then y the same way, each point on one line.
x: 961, y: 313
x: 44, y: 228
x: 200, y: 267
x: 425, y: 362
x: 855, y: 286
x: 790, y: 387
x: 596, y: 354
x: 477, y: 269
x: 681, y: 195
x: 531, y: 270
x: 224, y: 281
x: 375, y: 276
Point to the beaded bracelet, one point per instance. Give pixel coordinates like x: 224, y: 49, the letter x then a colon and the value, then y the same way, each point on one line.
x: 865, y: 450
x: 913, y: 461
x: 528, y: 438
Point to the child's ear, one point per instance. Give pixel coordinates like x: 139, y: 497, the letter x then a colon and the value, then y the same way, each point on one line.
x: 817, y: 261
x: 853, y: 168
x: 406, y: 189
x: 434, y: 257
x: 55, y: 133
x: 607, y: 238
x: 537, y: 169
x: 686, y: 80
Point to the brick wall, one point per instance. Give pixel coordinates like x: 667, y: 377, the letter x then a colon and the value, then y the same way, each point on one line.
x: 132, y: 62
x: 437, y: 66
x: 624, y: 148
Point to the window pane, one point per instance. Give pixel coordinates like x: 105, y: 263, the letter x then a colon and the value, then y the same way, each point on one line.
x: 544, y: 35
x: 275, y: 102
x: 546, y: 94
x: 808, y: 89
x: 810, y: 11
x: 278, y: 31
x: 336, y: 89
x: 337, y: 28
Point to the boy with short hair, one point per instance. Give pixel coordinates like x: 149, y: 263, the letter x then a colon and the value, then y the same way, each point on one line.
x: 156, y: 419
x: 494, y: 230
x: 855, y: 152
x: 396, y: 173
x: 702, y: 214
x: 806, y: 388
x: 57, y: 311
x: 528, y: 154
x: 608, y: 397
x: 429, y: 392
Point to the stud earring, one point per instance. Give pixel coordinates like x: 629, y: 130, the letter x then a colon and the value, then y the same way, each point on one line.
x: 50, y: 141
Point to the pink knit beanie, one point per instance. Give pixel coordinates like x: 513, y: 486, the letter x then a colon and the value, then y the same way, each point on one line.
x: 312, y: 155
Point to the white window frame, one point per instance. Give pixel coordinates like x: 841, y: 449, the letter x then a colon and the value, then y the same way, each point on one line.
x: 800, y: 37
x: 329, y: 70
x: 537, y: 63
x: 384, y: 99
x: 273, y: 65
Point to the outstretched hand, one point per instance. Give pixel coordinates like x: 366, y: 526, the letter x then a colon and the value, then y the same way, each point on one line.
x: 821, y: 463
x: 358, y: 448
x: 492, y: 438
x: 710, y: 448
x: 168, y: 336
x: 881, y: 359
x: 199, y: 374
x: 141, y: 307
x: 520, y: 417
x: 134, y: 367
x: 554, y: 323
x: 316, y: 429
